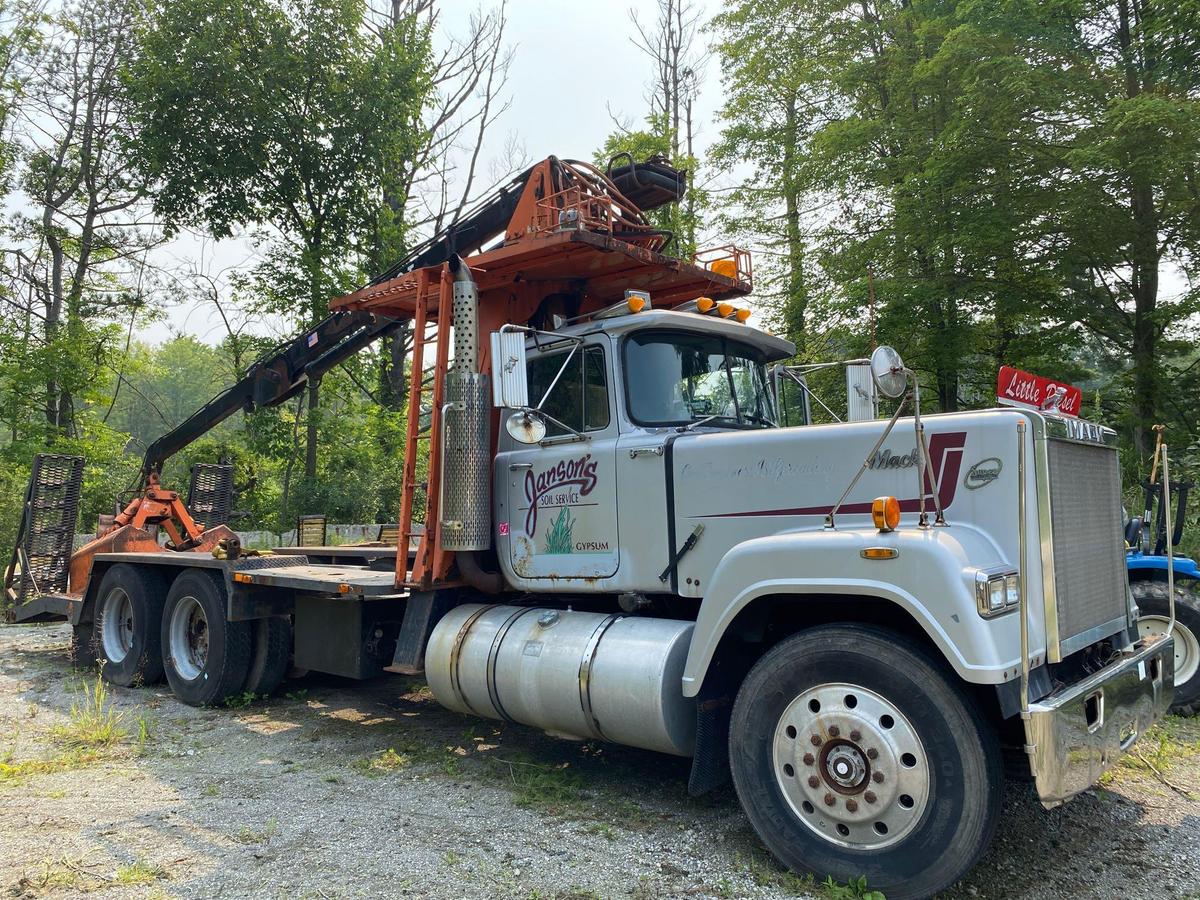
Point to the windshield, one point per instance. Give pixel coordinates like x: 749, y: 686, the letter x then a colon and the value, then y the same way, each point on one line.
x: 679, y: 378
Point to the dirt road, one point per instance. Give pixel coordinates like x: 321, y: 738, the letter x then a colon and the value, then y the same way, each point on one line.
x: 344, y: 790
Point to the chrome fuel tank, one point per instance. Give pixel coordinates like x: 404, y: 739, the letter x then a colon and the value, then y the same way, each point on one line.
x: 573, y: 674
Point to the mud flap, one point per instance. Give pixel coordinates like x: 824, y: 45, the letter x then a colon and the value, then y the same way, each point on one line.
x: 710, y: 765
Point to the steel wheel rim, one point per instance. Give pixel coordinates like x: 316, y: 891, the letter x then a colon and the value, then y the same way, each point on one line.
x: 851, y: 766
x: 189, y: 638
x: 1187, y: 645
x: 116, y: 629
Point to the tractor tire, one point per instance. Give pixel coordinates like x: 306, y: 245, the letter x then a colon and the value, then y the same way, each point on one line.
x: 1151, y: 597
x: 855, y: 753
x: 206, y: 657
x: 270, y: 654
x: 81, y: 652
x: 127, y: 625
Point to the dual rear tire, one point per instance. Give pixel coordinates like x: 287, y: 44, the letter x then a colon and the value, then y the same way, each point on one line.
x: 144, y: 630
x: 125, y: 633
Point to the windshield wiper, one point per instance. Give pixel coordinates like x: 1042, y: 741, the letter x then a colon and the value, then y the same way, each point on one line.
x: 761, y: 420
x: 698, y: 422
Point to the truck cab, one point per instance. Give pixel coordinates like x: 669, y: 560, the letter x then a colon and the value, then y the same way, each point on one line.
x: 587, y: 507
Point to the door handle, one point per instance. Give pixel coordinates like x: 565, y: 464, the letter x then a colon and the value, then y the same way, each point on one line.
x: 520, y: 465
x: 645, y: 451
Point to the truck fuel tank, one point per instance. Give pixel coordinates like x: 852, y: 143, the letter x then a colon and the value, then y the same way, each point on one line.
x: 574, y: 674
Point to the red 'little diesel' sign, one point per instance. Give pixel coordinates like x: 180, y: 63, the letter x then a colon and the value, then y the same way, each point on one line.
x: 1015, y: 387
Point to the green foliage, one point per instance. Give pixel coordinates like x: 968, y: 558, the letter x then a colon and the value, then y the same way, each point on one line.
x: 290, y: 113
x: 682, y: 220
x: 978, y: 184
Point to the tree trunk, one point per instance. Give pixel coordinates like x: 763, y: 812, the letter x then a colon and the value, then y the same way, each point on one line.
x: 796, y: 308
x: 1145, y: 259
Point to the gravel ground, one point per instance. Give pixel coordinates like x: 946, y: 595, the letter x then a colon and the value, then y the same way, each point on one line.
x: 339, y: 789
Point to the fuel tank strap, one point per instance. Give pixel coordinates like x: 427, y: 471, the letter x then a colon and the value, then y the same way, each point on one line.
x: 493, y: 654
x: 585, y: 675
x: 456, y: 655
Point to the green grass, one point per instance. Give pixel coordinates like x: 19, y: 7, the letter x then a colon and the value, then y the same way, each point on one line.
x: 248, y: 835
x: 240, y: 701
x: 1171, y: 741
x: 379, y: 764
x: 603, y: 829
x: 139, y: 872
x: 93, y: 723
x: 14, y: 772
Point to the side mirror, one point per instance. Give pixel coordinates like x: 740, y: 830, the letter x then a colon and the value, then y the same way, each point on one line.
x: 510, y: 390
x: 525, y: 426
x: 888, y: 372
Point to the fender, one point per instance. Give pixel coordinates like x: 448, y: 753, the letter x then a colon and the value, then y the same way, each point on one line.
x: 930, y: 579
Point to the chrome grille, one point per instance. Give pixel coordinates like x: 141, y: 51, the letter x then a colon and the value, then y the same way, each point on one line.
x: 1089, y: 559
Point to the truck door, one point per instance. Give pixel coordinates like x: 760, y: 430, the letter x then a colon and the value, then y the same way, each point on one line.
x: 562, y: 494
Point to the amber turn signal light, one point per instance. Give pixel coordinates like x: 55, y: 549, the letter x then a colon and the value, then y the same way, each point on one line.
x: 879, y: 553
x: 885, y: 513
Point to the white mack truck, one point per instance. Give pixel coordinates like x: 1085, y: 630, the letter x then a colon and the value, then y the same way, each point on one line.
x: 856, y: 621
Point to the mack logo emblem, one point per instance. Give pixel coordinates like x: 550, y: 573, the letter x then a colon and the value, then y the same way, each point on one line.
x: 983, y: 473
x: 886, y: 459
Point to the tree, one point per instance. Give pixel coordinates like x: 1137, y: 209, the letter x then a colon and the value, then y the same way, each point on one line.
x: 84, y: 240
x: 288, y: 113
x: 771, y: 93
x: 1130, y: 195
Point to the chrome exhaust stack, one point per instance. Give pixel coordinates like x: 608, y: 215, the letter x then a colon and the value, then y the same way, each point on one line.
x: 466, y: 502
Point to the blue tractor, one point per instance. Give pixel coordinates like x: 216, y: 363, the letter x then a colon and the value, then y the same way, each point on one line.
x: 1147, y: 562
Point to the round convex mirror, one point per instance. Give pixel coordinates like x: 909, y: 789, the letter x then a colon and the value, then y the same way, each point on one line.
x: 526, y: 427
x: 887, y: 369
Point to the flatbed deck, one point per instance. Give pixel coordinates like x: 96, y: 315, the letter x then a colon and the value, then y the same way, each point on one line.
x: 292, y: 572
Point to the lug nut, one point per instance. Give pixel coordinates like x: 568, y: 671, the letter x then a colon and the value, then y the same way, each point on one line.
x: 877, y: 777
x: 834, y: 731
x: 852, y: 806
x: 829, y: 800
x: 869, y: 796
x: 872, y: 753
x: 856, y: 735
x: 816, y: 740
x: 809, y: 759
x: 813, y: 781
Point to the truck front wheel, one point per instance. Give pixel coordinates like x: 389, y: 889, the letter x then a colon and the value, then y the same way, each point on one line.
x: 206, y: 657
x: 855, y: 754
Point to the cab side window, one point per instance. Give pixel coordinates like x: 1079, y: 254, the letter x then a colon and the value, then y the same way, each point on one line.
x: 580, y: 397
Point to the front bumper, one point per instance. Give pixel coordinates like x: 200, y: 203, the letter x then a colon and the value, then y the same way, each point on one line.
x: 1080, y: 731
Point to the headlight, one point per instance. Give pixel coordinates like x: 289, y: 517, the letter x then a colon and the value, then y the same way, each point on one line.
x: 997, y: 591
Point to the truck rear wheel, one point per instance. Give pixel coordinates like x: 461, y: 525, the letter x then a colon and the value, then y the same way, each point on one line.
x: 206, y: 657
x: 855, y: 754
x: 1151, y: 598
x: 126, y: 627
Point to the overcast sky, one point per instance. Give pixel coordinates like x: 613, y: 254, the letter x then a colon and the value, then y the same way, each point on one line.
x: 574, y: 63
